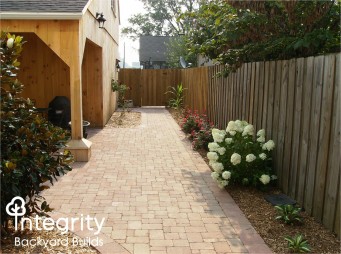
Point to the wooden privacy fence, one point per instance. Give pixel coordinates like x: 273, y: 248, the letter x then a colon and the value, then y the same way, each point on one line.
x: 296, y: 101
x: 195, y: 82
x: 149, y: 87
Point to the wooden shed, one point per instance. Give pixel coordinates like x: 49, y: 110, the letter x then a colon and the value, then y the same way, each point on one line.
x: 67, y: 54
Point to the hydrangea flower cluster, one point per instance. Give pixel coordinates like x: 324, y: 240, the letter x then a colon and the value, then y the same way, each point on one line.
x: 236, y: 156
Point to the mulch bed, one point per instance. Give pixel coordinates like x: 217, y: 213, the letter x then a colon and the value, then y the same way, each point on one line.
x: 262, y: 215
x: 127, y: 119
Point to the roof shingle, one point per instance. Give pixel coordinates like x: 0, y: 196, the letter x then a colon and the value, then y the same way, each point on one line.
x: 153, y: 48
x: 43, y: 6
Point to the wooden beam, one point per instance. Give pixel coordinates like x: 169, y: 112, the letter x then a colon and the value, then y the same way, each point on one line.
x: 79, y: 147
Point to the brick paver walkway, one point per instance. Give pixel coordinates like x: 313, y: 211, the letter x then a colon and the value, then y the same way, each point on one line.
x: 156, y: 194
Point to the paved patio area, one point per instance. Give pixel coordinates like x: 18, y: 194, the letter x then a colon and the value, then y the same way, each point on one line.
x: 155, y: 192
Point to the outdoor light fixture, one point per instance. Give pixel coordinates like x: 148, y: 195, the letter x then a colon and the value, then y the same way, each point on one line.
x: 118, y: 64
x: 100, y: 19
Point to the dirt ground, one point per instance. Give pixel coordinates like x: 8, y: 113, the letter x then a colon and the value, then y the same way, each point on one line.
x: 126, y: 119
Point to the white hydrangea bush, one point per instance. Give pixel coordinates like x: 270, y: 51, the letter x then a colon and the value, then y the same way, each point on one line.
x: 236, y: 156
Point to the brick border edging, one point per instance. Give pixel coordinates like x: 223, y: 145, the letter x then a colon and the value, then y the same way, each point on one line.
x: 109, y: 246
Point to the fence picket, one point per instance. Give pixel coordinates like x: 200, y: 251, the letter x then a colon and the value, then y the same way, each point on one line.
x: 252, y: 92
x: 256, y: 97
x: 281, y: 124
x: 314, y: 132
x: 324, y: 135
x: 265, y: 96
x: 333, y: 177
x: 297, y: 116
x: 248, y: 92
x: 271, y: 99
x: 240, y: 92
x: 260, y: 95
x: 230, y: 80
x: 305, y: 126
x: 275, y: 120
x: 288, y: 125
x: 336, y: 227
x: 226, y: 100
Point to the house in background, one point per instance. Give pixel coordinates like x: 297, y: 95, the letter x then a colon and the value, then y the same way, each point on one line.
x: 153, y: 52
x: 67, y: 54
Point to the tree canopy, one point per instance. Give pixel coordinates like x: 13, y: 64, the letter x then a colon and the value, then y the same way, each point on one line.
x: 166, y: 18
x: 161, y: 18
x: 177, y: 48
x: 233, y: 32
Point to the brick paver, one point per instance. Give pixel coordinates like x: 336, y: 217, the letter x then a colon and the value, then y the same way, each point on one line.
x: 155, y: 192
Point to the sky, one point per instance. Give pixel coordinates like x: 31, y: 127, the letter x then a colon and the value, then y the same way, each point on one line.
x: 127, y: 9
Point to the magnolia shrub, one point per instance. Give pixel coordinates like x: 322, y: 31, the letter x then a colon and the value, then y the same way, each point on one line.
x: 32, y: 154
x: 237, y: 157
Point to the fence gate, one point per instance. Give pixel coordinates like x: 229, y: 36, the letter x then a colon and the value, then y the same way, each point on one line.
x: 149, y: 87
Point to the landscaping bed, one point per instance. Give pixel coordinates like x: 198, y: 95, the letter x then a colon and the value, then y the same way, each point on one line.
x: 262, y: 216
x: 124, y: 119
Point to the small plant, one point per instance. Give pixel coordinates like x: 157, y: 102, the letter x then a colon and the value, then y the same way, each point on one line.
x: 199, y: 129
x: 121, y: 89
x: 298, y: 244
x: 202, y: 138
x: 289, y: 214
x: 177, y: 94
x: 115, y: 85
x: 190, y: 122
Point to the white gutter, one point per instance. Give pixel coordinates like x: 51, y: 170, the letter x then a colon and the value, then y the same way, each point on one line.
x: 41, y: 15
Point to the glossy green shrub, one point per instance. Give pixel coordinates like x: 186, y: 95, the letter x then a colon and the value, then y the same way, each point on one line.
x: 31, y: 147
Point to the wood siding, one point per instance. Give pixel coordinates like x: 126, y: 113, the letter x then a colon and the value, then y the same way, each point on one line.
x: 92, y: 90
x: 106, y: 38
x: 54, y: 33
x: 44, y: 75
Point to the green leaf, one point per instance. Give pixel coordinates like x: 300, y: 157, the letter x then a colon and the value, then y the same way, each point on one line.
x: 43, y: 205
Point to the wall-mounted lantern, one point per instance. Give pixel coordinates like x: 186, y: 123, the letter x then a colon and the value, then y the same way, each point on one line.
x: 118, y: 64
x: 100, y: 18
